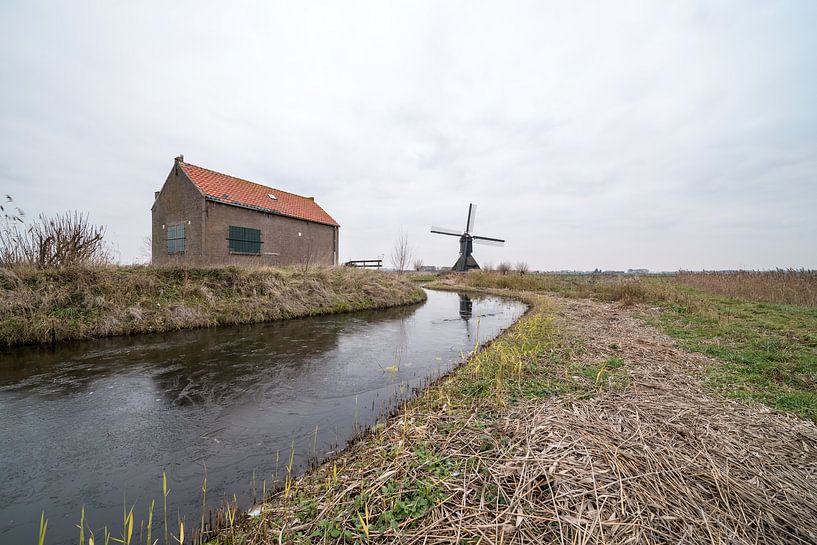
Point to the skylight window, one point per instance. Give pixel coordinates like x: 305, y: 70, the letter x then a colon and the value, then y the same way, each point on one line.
x: 271, y: 196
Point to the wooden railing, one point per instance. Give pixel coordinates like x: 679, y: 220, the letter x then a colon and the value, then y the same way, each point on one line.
x: 365, y: 263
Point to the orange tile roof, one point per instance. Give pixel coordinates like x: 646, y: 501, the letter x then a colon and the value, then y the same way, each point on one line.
x: 237, y: 192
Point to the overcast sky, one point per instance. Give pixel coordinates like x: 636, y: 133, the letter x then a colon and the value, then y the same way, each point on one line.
x: 653, y: 134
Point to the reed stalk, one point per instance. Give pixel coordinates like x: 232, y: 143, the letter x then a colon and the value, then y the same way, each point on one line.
x: 43, y: 528
x: 180, y: 538
x: 165, y: 492
x: 150, y: 523
x: 289, y: 477
x: 81, y: 526
x: 203, y: 498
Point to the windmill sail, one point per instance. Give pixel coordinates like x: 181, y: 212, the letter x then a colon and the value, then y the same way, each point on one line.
x: 489, y: 242
x: 466, y: 261
x: 444, y: 231
x: 477, y: 237
x: 472, y: 215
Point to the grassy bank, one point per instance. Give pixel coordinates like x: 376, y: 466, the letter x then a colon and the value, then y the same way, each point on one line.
x: 78, y: 303
x: 768, y: 351
x: 388, y: 484
x: 552, y: 435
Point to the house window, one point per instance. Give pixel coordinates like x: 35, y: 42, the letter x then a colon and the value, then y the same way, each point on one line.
x: 175, y: 239
x: 244, y: 240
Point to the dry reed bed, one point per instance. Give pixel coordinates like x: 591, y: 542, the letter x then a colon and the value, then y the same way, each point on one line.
x: 658, y: 461
x: 610, y: 470
x: 788, y: 287
x: 620, y: 470
x: 75, y: 303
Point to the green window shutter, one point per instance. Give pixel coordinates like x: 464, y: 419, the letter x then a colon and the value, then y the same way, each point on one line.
x: 244, y: 240
x: 175, y: 239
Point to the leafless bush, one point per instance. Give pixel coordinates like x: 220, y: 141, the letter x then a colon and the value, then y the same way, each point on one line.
x: 503, y: 267
x: 522, y: 267
x: 64, y: 240
x: 401, y: 253
x: 146, y: 250
x: 418, y: 264
x: 488, y: 267
x: 11, y: 212
x: 307, y: 258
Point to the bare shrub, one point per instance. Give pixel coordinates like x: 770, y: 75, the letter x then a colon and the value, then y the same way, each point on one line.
x: 401, y: 253
x: 503, y: 267
x: 307, y: 258
x: 418, y: 264
x: 65, y: 240
x: 488, y: 267
x: 11, y: 223
x: 522, y: 267
x: 11, y: 212
x: 146, y: 250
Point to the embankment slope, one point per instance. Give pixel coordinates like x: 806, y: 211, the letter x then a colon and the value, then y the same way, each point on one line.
x: 581, y: 423
x: 39, y: 306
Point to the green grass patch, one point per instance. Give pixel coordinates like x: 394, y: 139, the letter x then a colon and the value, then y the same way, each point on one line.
x: 769, y: 351
x: 533, y: 359
x: 422, y: 277
x: 606, y: 375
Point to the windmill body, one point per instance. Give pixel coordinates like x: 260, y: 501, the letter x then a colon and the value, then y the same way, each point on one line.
x: 466, y: 260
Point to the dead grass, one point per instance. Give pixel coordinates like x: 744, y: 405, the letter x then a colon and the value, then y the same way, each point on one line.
x: 627, y: 290
x: 787, y: 287
x: 610, y: 470
x: 50, y: 305
x: 654, y: 458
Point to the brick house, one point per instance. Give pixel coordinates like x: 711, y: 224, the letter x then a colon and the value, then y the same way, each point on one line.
x: 203, y: 217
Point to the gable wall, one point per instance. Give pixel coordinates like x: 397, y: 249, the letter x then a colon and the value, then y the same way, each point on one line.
x: 178, y: 202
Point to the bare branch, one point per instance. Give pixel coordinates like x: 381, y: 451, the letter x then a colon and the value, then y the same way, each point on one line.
x: 401, y: 253
x: 60, y: 241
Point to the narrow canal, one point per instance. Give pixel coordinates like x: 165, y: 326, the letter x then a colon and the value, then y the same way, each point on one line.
x: 95, y: 423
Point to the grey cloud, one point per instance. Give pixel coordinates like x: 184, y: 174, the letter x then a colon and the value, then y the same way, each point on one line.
x: 636, y: 134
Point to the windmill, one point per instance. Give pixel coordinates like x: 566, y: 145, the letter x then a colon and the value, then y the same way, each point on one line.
x: 467, y: 240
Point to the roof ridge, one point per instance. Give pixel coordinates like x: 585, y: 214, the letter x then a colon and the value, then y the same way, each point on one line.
x: 216, y: 185
x: 248, y: 181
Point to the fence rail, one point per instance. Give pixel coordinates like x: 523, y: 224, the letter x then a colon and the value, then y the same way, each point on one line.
x: 365, y: 263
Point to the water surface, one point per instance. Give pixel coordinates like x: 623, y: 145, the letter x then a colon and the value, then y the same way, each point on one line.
x: 95, y: 421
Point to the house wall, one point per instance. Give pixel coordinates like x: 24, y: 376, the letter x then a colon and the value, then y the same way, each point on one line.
x: 178, y: 202
x: 296, y: 241
x: 207, y: 224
